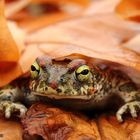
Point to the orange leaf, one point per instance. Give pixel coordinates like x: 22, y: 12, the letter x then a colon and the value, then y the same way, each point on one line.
x: 94, y: 36
x: 133, y: 44
x: 103, y: 6
x: 45, y: 20
x: 8, y: 72
x: 14, y: 7
x: 10, y: 130
x: 129, y: 9
x: 28, y: 57
x: 8, y: 48
x: 18, y: 34
x: 98, y: 36
x: 80, y: 2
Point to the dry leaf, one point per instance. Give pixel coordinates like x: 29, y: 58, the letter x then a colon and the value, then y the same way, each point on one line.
x: 110, y: 128
x: 8, y: 72
x: 38, y: 12
x: 10, y: 129
x: 133, y: 44
x: 43, y: 21
x: 129, y: 9
x: 97, y: 33
x: 18, y: 35
x: 53, y: 123
x: 94, y: 36
x: 9, y: 52
x: 80, y: 34
x: 101, y: 7
x: 8, y: 48
x: 14, y: 7
x: 9, y: 67
x: 27, y: 59
x: 80, y: 2
x: 13, y: 70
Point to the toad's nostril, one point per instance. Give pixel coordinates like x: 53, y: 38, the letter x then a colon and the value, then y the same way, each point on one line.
x: 61, y: 80
x: 53, y: 84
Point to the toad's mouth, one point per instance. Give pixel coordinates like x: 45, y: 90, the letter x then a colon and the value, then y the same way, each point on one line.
x: 54, y: 94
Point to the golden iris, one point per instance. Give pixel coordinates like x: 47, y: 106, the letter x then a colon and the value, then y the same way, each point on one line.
x: 35, y: 70
x: 82, y: 73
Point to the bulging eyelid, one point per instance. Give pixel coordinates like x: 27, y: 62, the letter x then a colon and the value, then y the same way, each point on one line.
x: 42, y: 61
x: 75, y: 63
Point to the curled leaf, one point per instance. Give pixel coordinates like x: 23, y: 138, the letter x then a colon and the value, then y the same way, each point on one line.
x: 52, y: 123
x: 93, y: 36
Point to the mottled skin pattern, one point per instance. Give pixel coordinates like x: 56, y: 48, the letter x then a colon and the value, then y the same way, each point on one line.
x: 76, y: 84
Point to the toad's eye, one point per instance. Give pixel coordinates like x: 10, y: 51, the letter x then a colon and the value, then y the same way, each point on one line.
x: 35, y: 70
x: 82, y: 73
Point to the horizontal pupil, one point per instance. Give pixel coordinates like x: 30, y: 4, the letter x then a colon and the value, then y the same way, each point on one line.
x: 33, y: 68
x: 85, y: 72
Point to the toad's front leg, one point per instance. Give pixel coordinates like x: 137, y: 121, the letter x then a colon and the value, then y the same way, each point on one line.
x: 9, y: 102
x: 131, y: 97
x: 130, y: 106
x: 9, y: 107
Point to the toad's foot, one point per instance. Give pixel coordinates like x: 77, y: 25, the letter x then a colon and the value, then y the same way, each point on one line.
x: 131, y: 106
x: 9, y: 107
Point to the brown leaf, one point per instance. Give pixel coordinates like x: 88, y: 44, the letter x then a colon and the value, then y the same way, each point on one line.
x: 110, y: 129
x: 53, y: 123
